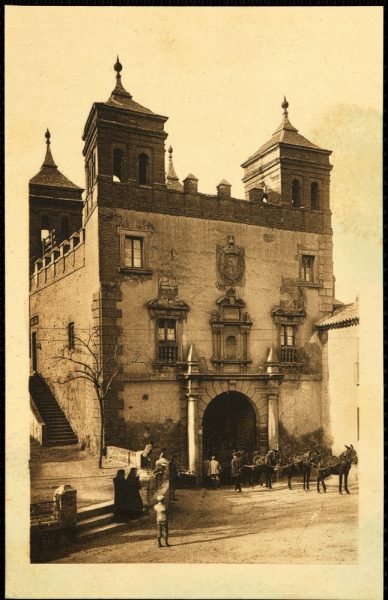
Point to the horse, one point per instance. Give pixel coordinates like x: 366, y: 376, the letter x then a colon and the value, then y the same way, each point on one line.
x: 300, y: 465
x: 261, y: 464
x: 338, y: 466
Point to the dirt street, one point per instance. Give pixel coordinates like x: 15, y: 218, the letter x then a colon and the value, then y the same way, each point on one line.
x: 256, y: 526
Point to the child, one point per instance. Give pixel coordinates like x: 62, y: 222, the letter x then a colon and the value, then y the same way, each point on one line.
x: 161, y: 520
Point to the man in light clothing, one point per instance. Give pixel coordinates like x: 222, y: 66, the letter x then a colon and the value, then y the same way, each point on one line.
x: 214, y: 472
x: 161, y: 520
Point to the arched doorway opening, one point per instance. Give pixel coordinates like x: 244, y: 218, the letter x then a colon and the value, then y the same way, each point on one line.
x: 229, y: 423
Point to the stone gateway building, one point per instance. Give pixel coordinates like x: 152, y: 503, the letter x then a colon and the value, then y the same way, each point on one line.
x: 213, y: 300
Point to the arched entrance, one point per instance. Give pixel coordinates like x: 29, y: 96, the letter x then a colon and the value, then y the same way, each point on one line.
x: 229, y: 423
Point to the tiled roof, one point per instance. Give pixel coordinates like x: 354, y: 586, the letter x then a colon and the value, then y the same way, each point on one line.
x: 345, y: 316
x: 49, y: 174
x: 120, y: 98
x: 285, y: 134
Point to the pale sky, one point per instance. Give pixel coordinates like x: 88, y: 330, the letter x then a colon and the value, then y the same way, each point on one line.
x: 220, y: 75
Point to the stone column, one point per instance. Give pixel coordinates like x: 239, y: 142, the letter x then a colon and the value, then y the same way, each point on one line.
x: 192, y: 433
x: 273, y: 422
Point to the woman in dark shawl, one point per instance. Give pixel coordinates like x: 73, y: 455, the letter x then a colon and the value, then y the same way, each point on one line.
x: 134, y: 502
x: 120, y: 496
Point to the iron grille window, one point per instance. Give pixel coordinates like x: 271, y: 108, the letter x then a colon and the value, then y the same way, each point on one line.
x: 308, y: 268
x: 133, y: 252
x: 167, y: 343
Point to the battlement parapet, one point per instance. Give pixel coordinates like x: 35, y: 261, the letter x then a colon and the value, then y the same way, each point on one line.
x: 213, y: 207
x: 59, y: 261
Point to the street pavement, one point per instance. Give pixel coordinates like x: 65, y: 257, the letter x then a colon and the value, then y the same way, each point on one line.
x: 256, y: 526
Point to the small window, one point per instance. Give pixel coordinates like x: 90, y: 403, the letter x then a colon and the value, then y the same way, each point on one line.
x: 133, y: 252
x: 65, y: 228
x: 118, y: 165
x: 167, y: 344
x: 143, y: 169
x: 295, y: 196
x: 307, y: 268
x: 231, y: 347
x: 315, y: 196
x: 70, y: 336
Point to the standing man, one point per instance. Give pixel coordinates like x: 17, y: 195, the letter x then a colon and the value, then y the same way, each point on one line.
x: 235, y: 468
x: 214, y: 472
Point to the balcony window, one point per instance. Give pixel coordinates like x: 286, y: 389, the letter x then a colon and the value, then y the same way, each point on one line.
x: 288, y: 349
x: 167, y: 341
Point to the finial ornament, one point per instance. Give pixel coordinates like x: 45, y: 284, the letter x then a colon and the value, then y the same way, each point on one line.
x: 170, y: 151
x: 47, y: 136
x: 285, y: 105
x: 118, y: 66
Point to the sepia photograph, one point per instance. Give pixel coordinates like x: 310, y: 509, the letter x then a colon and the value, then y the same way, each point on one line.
x: 194, y: 349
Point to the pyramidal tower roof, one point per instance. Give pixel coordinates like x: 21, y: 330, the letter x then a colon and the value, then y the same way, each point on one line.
x: 120, y: 98
x: 286, y: 133
x: 49, y: 175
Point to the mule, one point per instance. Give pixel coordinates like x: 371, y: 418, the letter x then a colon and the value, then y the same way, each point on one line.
x: 261, y: 464
x: 338, y: 466
x: 300, y: 465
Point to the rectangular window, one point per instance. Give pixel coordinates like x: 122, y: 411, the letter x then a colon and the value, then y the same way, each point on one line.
x: 308, y: 267
x: 70, y: 336
x: 167, y: 344
x: 287, y: 335
x: 133, y: 252
x: 288, y: 350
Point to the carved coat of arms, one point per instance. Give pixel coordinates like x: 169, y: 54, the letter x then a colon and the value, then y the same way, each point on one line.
x: 231, y: 262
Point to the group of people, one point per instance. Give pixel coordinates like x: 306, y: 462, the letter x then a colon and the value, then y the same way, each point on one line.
x: 214, y: 470
x: 128, y: 503
x: 127, y: 499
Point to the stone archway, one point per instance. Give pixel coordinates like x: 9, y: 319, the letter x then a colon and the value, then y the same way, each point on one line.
x: 229, y: 423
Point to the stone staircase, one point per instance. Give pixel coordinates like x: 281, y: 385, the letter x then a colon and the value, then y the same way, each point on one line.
x: 59, y: 432
x: 96, y: 520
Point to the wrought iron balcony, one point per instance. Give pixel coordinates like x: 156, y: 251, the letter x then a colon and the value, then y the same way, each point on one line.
x: 168, y: 353
x: 288, y: 354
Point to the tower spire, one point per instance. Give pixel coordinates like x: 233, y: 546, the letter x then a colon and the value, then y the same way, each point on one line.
x: 285, y: 124
x: 119, y: 89
x: 48, y: 160
x: 173, y: 182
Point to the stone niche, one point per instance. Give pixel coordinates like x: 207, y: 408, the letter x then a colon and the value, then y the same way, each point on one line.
x: 231, y: 325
